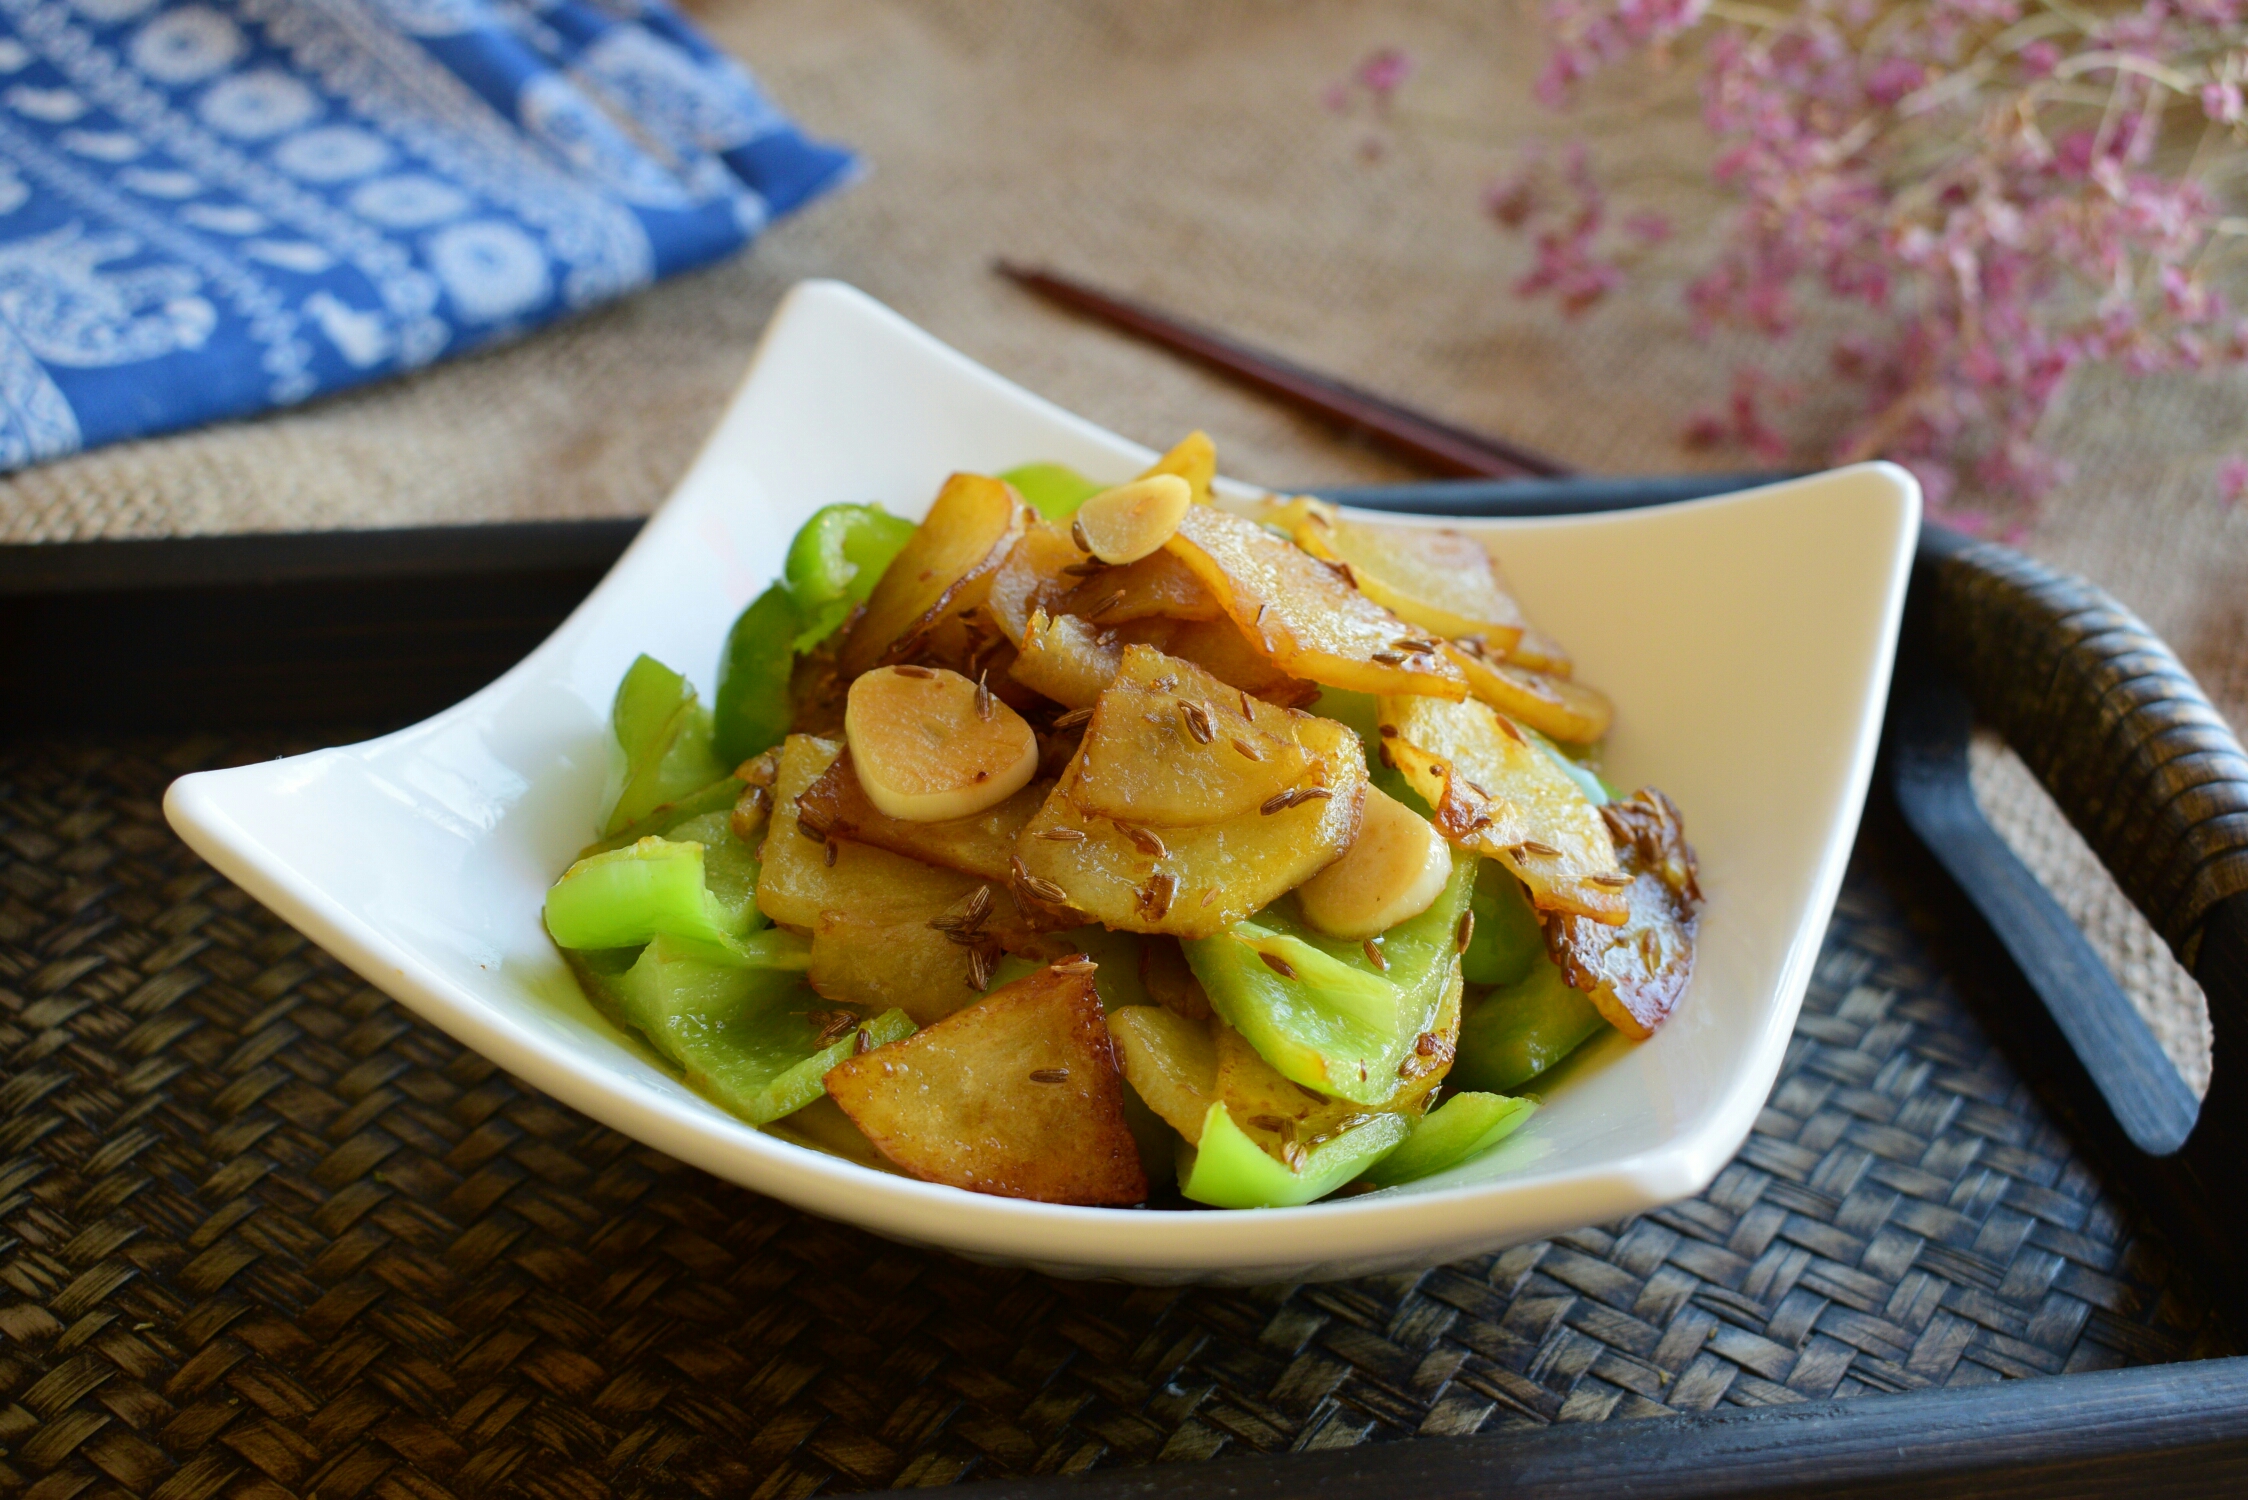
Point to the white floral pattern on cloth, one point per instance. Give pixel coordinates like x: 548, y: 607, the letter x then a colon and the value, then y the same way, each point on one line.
x: 211, y: 207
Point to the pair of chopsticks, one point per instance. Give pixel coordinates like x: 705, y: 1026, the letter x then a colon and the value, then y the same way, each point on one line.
x: 1525, y: 482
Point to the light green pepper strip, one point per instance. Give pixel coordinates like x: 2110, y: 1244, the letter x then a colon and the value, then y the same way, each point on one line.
x: 744, y: 1036
x: 665, y: 736
x: 1462, y: 1127
x: 737, y: 1073
x: 1053, y: 490
x: 1512, y: 1035
x: 1507, y: 941
x: 835, y: 561
x: 635, y: 893
x: 750, y: 711
x: 1229, y: 1170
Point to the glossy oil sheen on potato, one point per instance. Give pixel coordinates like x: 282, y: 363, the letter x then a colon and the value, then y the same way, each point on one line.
x: 980, y: 845
x: 1214, y: 874
x: 1438, y: 579
x: 1305, y: 614
x: 1016, y: 1095
x: 1635, y: 973
x: 944, y: 568
x: 1554, y: 706
x: 1496, y: 793
x: 1169, y: 746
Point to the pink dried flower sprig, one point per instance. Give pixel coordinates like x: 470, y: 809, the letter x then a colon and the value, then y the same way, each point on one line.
x: 2017, y: 190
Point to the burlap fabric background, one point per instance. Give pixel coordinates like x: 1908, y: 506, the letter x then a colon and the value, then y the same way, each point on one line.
x: 1180, y: 150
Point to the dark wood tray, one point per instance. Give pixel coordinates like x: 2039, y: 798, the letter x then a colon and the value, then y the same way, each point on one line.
x: 266, y: 1233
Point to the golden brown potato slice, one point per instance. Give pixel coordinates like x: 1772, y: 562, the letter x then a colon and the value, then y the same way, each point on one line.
x: 1034, y: 574
x: 1017, y: 1095
x: 902, y: 965
x: 1194, y: 459
x: 796, y: 880
x: 981, y: 845
x: 1064, y: 658
x: 1193, y: 882
x: 1496, y: 793
x: 1171, y: 746
x: 1219, y: 648
x: 1308, y: 615
x: 1158, y: 584
x: 1541, y: 653
x: 797, y: 884
x: 1170, y: 1061
x: 1553, y: 706
x: 944, y: 569
x: 1169, y: 980
x: 1439, y: 580
x: 1635, y: 973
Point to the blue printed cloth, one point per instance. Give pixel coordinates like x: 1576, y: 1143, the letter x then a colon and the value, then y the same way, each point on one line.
x: 208, y: 209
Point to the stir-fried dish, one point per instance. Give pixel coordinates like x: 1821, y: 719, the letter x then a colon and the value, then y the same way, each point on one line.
x: 1082, y: 839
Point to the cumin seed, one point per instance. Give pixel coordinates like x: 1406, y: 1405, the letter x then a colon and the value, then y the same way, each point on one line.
x: 1155, y: 900
x: 1247, y: 749
x: 909, y: 670
x: 1062, y: 835
x: 1197, y: 719
x: 1543, y: 851
x: 1464, y: 933
x: 1049, y: 1075
x: 1614, y: 882
x: 1077, y: 534
x: 1277, y: 964
x: 1375, y: 956
x: 1388, y: 658
x: 1073, y: 718
x: 983, y: 696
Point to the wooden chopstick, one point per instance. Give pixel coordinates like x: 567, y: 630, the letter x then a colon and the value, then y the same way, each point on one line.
x: 1413, y: 435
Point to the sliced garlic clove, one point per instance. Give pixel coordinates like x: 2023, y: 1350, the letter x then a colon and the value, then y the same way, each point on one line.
x: 930, y: 745
x: 1395, y: 870
x: 1127, y: 523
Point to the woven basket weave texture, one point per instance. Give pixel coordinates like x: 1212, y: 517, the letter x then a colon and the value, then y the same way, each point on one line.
x: 264, y: 1233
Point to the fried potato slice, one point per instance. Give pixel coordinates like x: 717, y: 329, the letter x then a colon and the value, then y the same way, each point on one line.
x: 945, y: 568
x: 980, y: 845
x: 1032, y: 577
x: 869, y: 913
x: 900, y: 965
x: 1194, y: 459
x: 1438, y: 579
x: 1170, y: 1061
x: 1193, y: 882
x: 1541, y: 653
x: 1554, y: 706
x: 1635, y: 973
x: 1219, y: 648
x: 1017, y: 1095
x: 796, y: 883
x: 1169, y: 980
x: 1065, y: 659
x: 1308, y: 616
x: 1498, y: 794
x: 1158, y: 584
x: 1172, y: 746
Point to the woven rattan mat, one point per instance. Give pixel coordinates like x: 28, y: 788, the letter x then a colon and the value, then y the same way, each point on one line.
x: 262, y: 1232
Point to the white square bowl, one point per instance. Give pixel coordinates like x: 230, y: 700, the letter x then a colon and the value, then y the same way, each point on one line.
x: 1746, y: 640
